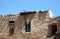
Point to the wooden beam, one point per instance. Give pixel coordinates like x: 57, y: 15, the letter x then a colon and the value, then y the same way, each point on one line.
x: 26, y: 13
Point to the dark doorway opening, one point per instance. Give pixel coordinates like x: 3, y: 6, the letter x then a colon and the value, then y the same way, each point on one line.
x: 54, y: 29
x: 11, y: 28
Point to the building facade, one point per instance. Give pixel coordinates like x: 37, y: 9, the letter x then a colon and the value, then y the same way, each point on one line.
x: 29, y: 25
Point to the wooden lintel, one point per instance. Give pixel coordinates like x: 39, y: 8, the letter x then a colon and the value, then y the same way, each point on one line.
x: 26, y: 13
x: 43, y: 11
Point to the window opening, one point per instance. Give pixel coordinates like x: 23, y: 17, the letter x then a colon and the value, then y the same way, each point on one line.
x: 27, y: 26
x: 11, y: 27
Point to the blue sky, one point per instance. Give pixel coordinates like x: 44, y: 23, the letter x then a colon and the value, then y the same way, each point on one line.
x: 15, y: 6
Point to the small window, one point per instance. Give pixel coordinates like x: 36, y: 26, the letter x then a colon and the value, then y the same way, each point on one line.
x: 27, y: 26
x: 11, y: 27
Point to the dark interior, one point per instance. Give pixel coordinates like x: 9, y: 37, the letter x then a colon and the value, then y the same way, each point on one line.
x: 54, y: 29
x: 11, y: 21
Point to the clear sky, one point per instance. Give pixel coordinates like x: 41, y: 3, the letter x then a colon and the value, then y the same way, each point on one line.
x: 15, y: 6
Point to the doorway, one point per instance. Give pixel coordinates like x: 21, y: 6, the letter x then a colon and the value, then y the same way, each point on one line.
x: 54, y: 29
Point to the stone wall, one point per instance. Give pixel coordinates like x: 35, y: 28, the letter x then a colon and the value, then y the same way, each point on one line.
x: 39, y: 25
x: 4, y: 22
